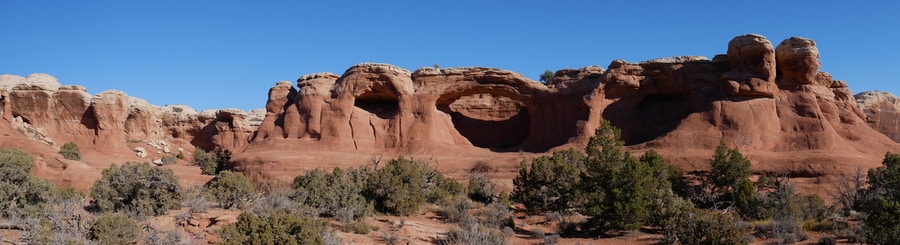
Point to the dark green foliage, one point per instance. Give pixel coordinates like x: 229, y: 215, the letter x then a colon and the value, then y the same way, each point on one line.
x: 114, y: 229
x: 230, y: 189
x: 138, y: 188
x: 15, y: 165
x: 207, y: 161
x: 278, y: 228
x: 400, y: 186
x: 729, y: 174
x: 549, y: 183
x: 70, y: 151
x: 881, y: 202
x: 20, y: 193
x: 211, y: 162
x: 481, y: 189
x: 618, y: 189
x: 336, y: 194
x: 546, y: 76
x: 180, y: 155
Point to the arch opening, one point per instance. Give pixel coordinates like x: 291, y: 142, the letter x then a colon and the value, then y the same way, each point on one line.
x: 378, y: 101
x: 489, y: 121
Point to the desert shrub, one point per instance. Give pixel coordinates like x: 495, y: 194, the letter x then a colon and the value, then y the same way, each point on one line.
x: 881, y: 202
x: 277, y: 228
x: 548, y: 183
x: 207, y: 161
x: 475, y: 234
x: 195, y: 200
x: 694, y: 227
x: 167, y: 160
x: 114, y: 228
x: 230, y: 189
x: 138, y: 188
x: 481, y: 167
x: 15, y: 165
x: 402, y: 185
x: 481, y: 189
x: 211, y: 162
x: 495, y: 215
x: 70, y: 151
x: 357, y: 227
x: 180, y: 155
x: 455, y: 210
x: 443, y: 188
x: 20, y: 193
x: 336, y: 194
x: 280, y: 201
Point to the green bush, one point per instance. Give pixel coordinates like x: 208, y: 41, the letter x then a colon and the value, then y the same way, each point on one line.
x: 402, y: 185
x: 15, y: 165
x: 114, y: 229
x: 180, y: 155
x: 166, y: 160
x: 481, y: 189
x: 230, y: 189
x: 278, y: 228
x: 20, y: 193
x: 138, y: 188
x: 337, y: 194
x: 70, y: 151
x: 549, y: 183
x: 546, y: 76
x: 207, y: 161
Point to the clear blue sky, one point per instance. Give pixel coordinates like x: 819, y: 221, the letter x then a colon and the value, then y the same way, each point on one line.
x: 217, y: 54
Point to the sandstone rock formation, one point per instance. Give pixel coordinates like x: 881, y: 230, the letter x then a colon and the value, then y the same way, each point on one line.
x: 106, y: 125
x: 882, y: 112
x: 772, y: 103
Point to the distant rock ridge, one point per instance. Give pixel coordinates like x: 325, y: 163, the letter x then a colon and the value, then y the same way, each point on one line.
x: 106, y: 121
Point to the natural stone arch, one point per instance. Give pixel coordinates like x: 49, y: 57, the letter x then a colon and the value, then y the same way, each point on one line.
x: 492, y: 117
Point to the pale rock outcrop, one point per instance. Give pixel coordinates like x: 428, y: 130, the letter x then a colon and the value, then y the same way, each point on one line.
x: 882, y: 112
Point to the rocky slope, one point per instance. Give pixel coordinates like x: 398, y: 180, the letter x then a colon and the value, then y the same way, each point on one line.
x: 771, y: 102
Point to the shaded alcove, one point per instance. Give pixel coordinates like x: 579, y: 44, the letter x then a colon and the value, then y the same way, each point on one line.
x: 649, y: 118
x: 489, y: 121
x: 379, y: 101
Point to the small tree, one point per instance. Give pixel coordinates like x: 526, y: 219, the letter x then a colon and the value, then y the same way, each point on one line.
x: 114, y: 228
x: 729, y: 174
x: 549, y: 183
x: 207, y: 161
x: 140, y: 188
x: 230, y: 189
x: 881, y: 201
x: 546, y: 76
x: 70, y: 151
x: 618, y: 189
